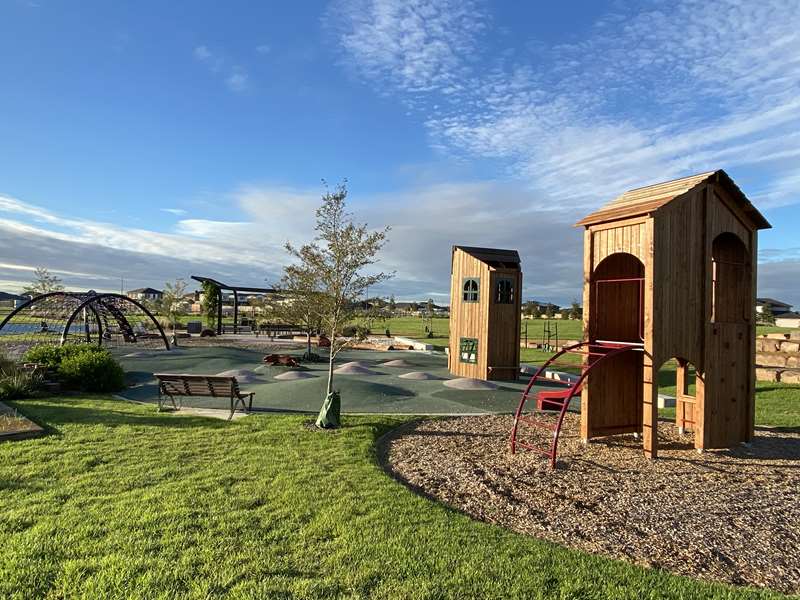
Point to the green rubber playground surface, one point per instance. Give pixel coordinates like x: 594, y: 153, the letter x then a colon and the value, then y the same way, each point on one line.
x: 383, y: 392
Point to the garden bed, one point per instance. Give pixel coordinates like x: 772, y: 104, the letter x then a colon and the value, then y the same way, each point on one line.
x: 730, y: 516
x: 14, y: 426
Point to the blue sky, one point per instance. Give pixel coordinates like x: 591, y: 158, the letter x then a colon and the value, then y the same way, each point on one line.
x: 157, y: 140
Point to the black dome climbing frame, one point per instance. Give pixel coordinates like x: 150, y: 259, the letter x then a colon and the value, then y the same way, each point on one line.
x: 59, y: 318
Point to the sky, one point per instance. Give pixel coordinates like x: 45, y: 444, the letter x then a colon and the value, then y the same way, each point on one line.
x: 145, y: 141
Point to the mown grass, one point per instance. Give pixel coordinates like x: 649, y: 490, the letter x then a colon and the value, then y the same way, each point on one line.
x: 121, y: 502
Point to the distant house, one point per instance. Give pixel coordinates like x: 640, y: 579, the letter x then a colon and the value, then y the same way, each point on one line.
x: 788, y: 319
x: 778, y: 307
x: 147, y: 293
x: 12, y: 300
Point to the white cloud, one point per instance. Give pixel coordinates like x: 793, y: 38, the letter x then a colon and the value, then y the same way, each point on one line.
x: 418, y: 45
x: 238, y: 80
x: 235, y: 76
x: 651, y: 93
x: 202, y: 53
x: 263, y: 49
x: 174, y: 211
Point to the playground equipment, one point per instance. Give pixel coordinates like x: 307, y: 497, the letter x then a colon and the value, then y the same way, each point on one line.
x: 59, y: 318
x: 549, y: 333
x: 485, y: 313
x: 669, y: 272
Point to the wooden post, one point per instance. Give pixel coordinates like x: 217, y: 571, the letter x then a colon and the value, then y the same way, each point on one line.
x: 586, y: 430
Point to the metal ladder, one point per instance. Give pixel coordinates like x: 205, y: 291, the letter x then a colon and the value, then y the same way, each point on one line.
x: 594, y: 353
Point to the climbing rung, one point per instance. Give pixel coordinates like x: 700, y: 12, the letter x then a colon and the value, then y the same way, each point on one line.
x: 546, y: 452
x: 537, y: 423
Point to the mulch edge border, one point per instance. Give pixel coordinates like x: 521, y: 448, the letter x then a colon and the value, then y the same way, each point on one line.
x: 24, y: 434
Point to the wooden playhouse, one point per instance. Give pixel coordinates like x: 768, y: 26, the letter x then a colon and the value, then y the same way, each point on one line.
x: 485, y: 313
x: 669, y: 273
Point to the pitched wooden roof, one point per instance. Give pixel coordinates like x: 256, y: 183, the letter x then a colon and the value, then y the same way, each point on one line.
x: 649, y: 199
x: 492, y: 256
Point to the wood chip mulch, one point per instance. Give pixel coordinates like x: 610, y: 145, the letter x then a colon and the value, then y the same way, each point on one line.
x: 726, y: 515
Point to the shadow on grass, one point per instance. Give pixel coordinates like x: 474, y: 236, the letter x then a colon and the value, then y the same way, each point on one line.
x: 51, y: 413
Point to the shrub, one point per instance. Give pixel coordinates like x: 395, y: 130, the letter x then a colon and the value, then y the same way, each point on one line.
x: 357, y: 331
x: 52, y: 356
x: 16, y: 384
x: 91, y: 371
x: 47, y: 355
x: 80, y: 366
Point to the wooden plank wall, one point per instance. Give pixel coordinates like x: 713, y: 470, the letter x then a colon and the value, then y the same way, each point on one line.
x: 620, y: 236
x: 468, y: 319
x: 611, y: 401
x: 504, y: 328
x: 729, y: 402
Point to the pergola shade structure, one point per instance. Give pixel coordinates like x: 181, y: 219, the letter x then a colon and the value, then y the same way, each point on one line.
x: 235, y: 289
x: 59, y: 318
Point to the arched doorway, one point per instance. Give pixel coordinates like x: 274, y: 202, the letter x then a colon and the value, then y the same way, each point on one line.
x: 617, y: 297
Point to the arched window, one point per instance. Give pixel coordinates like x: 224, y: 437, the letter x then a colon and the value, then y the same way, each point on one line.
x: 731, y: 286
x: 470, y: 288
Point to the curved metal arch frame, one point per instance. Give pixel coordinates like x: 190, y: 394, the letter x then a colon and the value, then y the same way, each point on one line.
x: 34, y: 300
x: 99, y: 297
x: 84, y: 302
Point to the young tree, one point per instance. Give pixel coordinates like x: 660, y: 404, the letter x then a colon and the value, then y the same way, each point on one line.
x: 301, y: 303
x: 337, y: 258
x: 43, y: 283
x: 392, y: 304
x: 550, y: 311
x: 170, y: 305
x: 575, y: 311
x: 210, y: 303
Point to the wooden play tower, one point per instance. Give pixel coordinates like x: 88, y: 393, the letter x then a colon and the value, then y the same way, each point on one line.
x: 669, y: 273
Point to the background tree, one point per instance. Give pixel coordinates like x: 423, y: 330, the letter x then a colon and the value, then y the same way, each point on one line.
x: 171, y: 305
x: 550, y: 311
x: 210, y: 303
x: 43, y: 283
x: 575, y: 311
x: 392, y: 304
x: 337, y: 258
x: 766, y: 316
x: 301, y: 303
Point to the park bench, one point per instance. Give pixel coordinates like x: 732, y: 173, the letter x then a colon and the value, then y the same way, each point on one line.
x: 178, y: 385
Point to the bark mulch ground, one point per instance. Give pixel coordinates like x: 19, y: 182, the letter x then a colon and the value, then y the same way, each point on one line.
x: 730, y: 516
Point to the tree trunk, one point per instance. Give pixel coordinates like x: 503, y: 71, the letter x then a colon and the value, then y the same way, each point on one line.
x: 329, y: 414
x: 330, y: 370
x: 308, y: 345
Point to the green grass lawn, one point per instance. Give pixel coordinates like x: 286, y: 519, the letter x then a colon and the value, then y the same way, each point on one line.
x: 121, y: 502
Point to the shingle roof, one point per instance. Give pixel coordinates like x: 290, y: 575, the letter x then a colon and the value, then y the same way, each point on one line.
x: 7, y: 296
x: 492, y: 255
x: 650, y: 198
x: 772, y: 302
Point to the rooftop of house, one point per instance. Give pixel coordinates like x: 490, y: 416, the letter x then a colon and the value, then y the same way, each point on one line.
x: 492, y: 256
x: 146, y: 290
x: 789, y: 315
x: 5, y: 296
x: 772, y: 302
